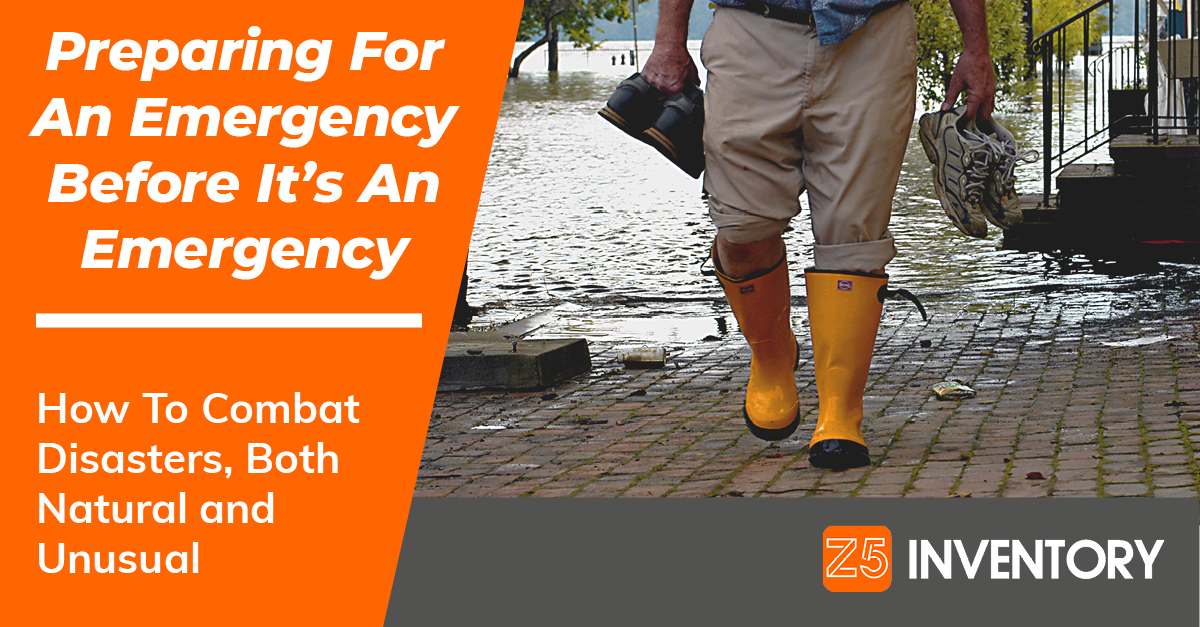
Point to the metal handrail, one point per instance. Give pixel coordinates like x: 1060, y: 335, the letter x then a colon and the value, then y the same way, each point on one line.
x: 1068, y: 22
x: 1051, y: 47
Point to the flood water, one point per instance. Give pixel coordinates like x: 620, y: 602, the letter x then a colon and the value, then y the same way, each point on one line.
x: 578, y: 219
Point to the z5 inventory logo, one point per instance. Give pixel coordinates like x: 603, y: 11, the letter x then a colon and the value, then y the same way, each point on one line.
x: 857, y: 559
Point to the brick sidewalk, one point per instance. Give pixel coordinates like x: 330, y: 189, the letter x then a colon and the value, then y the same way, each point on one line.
x: 1094, y: 419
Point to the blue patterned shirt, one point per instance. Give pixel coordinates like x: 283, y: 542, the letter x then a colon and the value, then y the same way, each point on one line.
x: 836, y: 19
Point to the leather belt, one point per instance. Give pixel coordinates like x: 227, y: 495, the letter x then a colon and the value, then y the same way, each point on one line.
x: 794, y: 16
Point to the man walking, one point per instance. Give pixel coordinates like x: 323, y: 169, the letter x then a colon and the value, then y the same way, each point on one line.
x: 816, y: 96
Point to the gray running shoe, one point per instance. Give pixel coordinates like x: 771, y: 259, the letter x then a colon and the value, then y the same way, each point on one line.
x: 1000, y: 203
x: 960, y: 166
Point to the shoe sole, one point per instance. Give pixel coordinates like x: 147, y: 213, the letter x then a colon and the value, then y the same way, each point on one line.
x: 846, y: 454
x: 991, y: 212
x: 651, y: 137
x: 615, y: 118
x: 925, y: 134
x: 660, y: 141
x: 782, y: 433
x: 771, y: 435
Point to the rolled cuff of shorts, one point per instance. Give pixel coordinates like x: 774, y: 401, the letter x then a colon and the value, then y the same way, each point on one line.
x: 858, y: 257
x: 740, y: 227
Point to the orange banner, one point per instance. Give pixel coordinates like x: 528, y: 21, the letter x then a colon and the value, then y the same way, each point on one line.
x: 301, y: 181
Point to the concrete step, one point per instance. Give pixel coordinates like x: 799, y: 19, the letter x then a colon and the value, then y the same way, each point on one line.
x: 478, y: 361
x: 1161, y: 176
x: 1163, y: 234
x: 1101, y: 188
x: 1139, y: 154
x: 1036, y: 212
x: 1041, y: 228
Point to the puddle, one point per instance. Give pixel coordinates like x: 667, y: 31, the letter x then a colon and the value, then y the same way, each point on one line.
x: 665, y: 329
x: 517, y: 467
x: 1141, y: 341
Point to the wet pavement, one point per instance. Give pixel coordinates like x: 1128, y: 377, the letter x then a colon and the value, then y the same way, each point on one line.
x: 1085, y: 364
x: 1077, y: 396
x: 577, y: 215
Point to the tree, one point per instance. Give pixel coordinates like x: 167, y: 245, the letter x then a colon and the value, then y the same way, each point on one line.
x: 574, y: 17
x: 1050, y: 13
x: 939, y: 44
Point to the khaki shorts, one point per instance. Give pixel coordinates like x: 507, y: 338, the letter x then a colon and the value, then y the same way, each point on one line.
x: 784, y: 114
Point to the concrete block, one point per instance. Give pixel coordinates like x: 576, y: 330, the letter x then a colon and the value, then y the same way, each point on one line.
x: 477, y: 361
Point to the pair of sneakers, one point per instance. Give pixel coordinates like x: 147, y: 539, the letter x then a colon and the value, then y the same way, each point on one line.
x: 974, y: 167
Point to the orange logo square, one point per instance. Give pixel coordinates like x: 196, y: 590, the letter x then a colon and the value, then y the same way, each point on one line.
x: 856, y: 559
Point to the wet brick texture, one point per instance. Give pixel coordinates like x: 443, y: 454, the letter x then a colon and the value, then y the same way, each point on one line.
x: 1069, y: 404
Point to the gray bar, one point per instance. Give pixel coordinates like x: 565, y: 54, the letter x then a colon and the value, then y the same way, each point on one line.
x: 735, y: 562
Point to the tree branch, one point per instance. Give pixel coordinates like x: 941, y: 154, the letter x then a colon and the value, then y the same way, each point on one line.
x: 516, y: 66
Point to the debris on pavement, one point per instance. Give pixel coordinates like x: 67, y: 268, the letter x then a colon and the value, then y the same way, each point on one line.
x: 646, y: 358
x: 952, y: 390
x: 1141, y: 341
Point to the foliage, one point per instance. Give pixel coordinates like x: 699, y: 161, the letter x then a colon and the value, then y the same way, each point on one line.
x: 573, y: 17
x: 1050, y: 13
x: 939, y: 44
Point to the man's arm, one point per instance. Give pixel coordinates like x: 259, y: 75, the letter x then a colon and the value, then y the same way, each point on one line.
x: 670, y: 66
x: 973, y: 73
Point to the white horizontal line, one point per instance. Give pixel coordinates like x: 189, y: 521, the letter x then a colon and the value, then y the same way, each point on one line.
x: 228, y: 321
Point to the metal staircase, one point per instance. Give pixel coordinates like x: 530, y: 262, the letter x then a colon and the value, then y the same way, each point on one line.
x: 1146, y: 119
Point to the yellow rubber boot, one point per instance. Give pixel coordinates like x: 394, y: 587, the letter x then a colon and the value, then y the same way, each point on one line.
x: 843, y: 313
x: 762, y: 305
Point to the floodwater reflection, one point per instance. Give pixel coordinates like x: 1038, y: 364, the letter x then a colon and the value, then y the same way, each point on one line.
x: 578, y: 217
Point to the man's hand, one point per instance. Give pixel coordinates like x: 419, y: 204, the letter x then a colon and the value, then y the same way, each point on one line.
x: 669, y: 68
x: 973, y: 73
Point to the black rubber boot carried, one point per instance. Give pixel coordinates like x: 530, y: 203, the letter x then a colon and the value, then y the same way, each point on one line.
x: 673, y: 126
x: 679, y: 132
x: 634, y: 106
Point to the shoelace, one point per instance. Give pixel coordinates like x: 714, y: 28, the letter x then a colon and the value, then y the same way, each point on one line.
x: 1005, y: 154
x: 1012, y: 153
x: 983, y: 153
